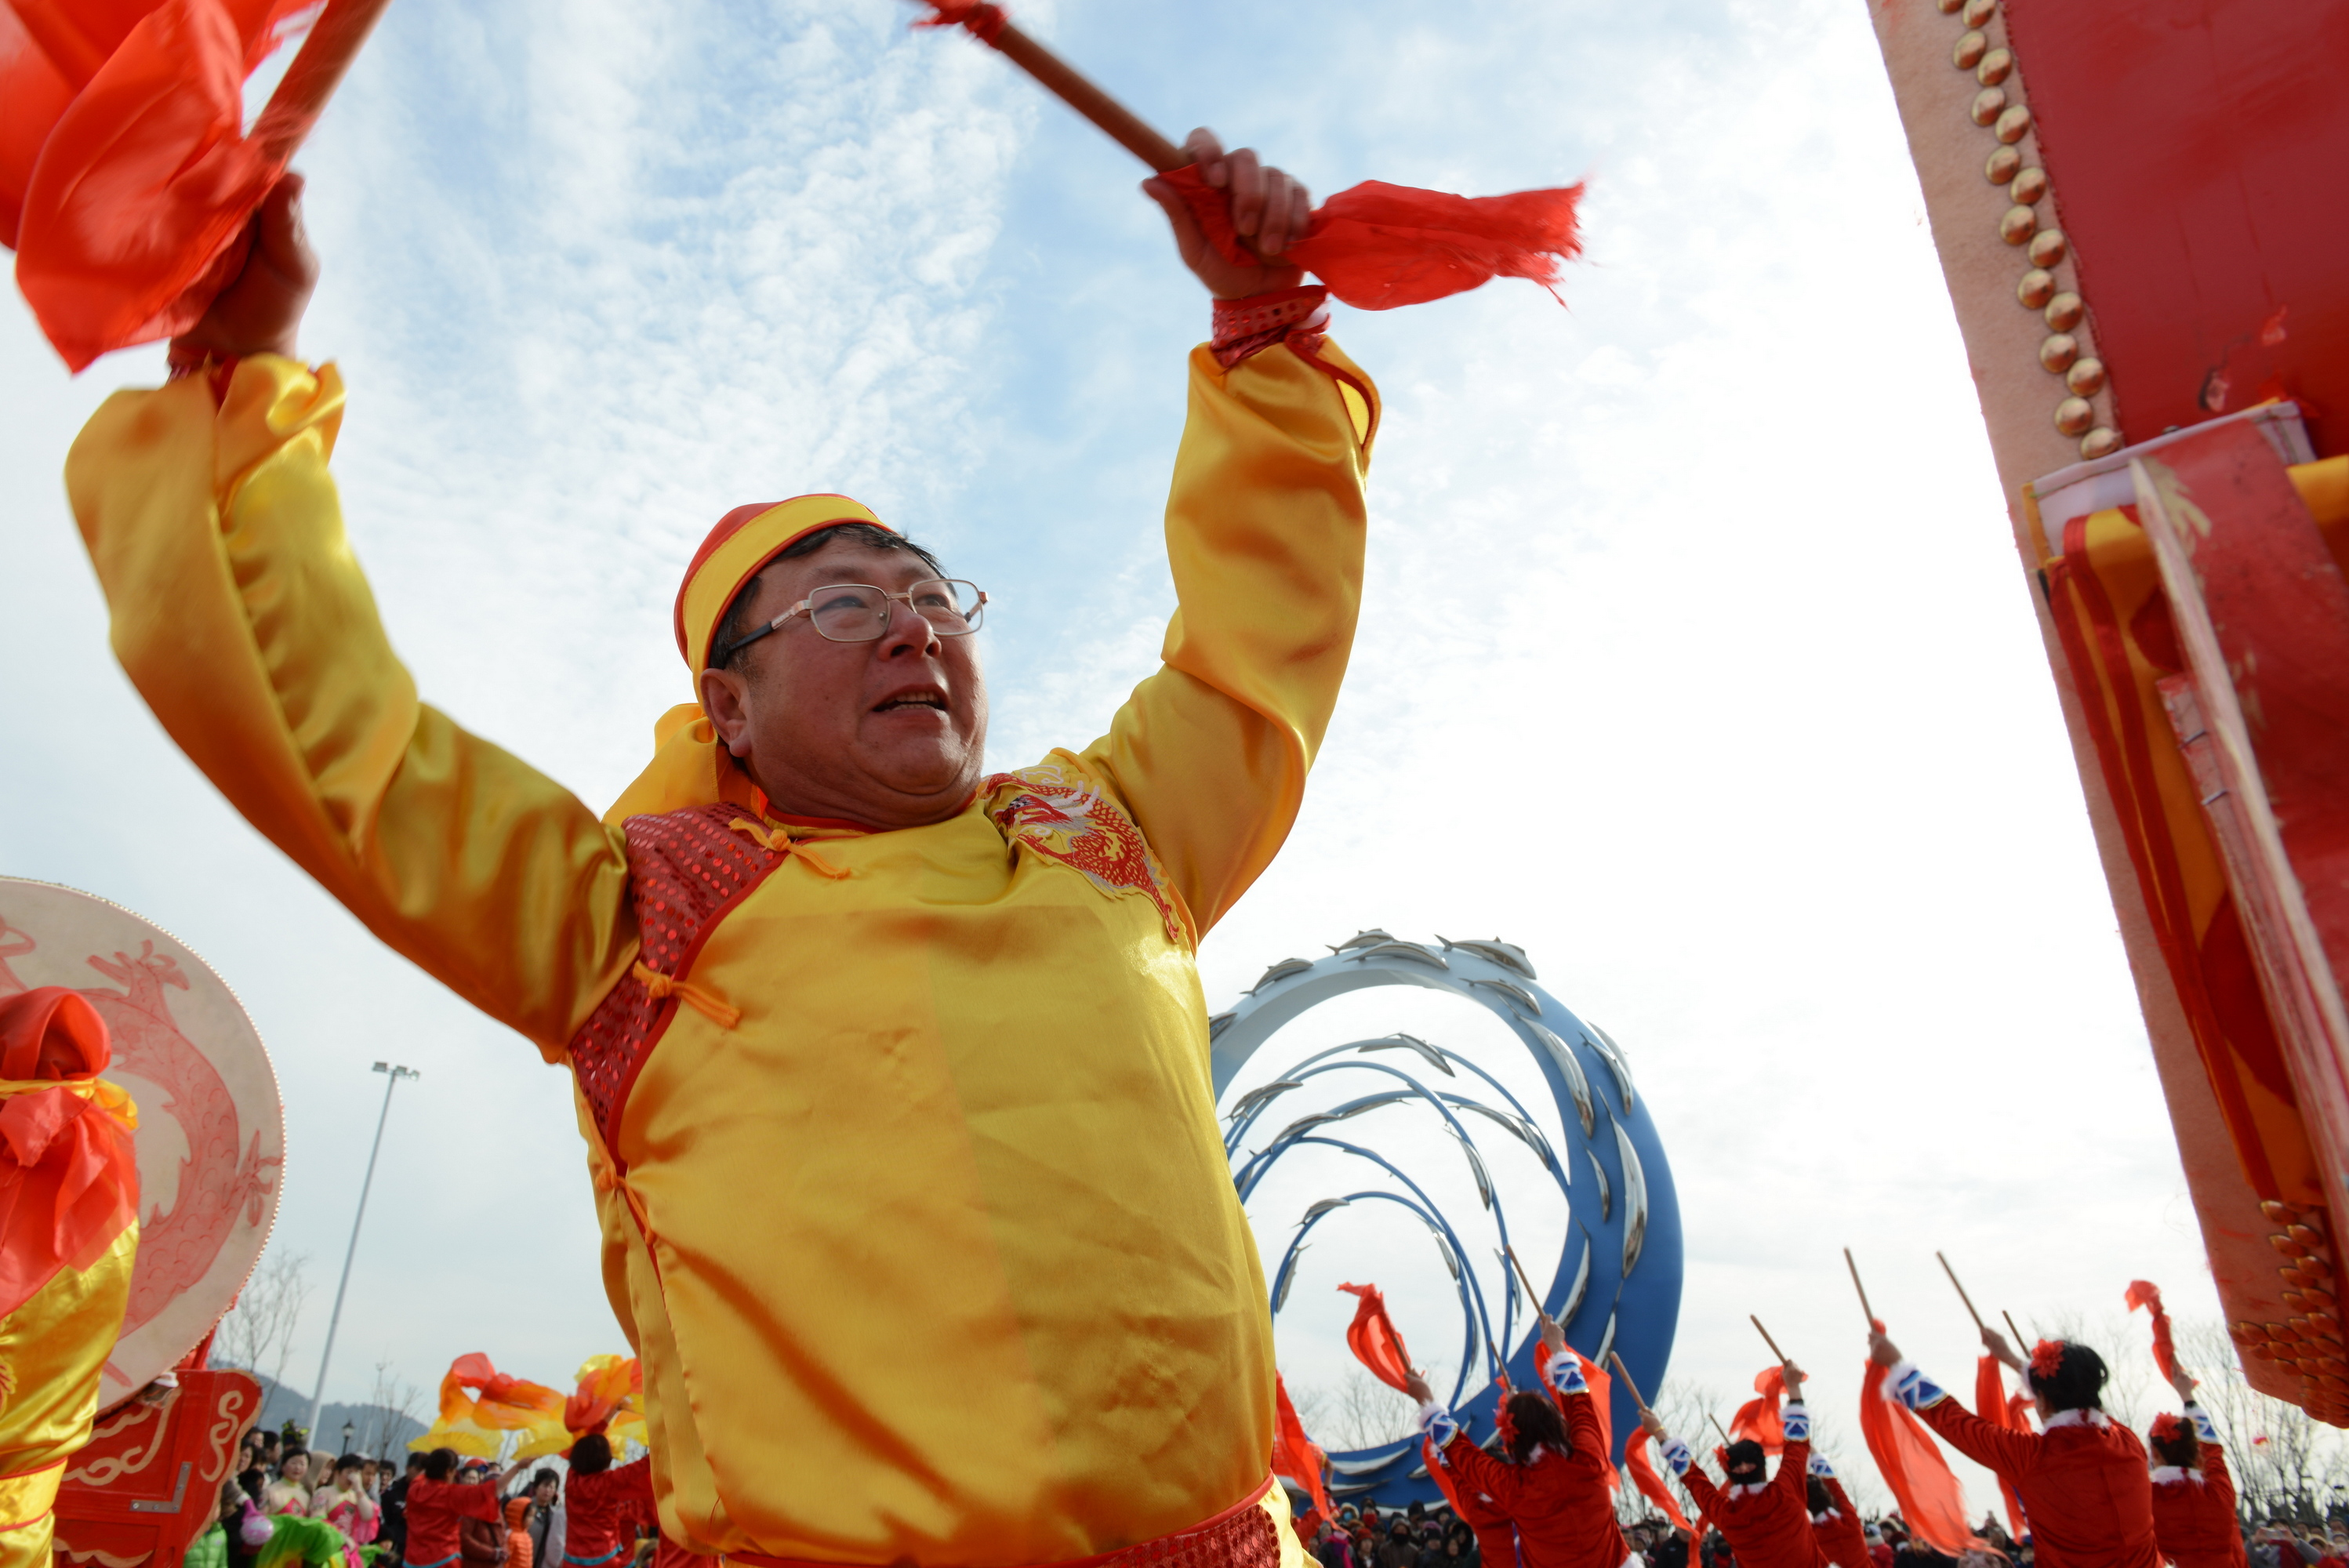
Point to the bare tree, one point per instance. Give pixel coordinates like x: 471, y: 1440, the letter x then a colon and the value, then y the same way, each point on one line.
x: 258, y: 1332
x: 2287, y: 1465
x: 395, y: 1402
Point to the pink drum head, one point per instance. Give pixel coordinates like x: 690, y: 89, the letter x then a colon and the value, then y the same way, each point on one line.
x: 211, y: 1131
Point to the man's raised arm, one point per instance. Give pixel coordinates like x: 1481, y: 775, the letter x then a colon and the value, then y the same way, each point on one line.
x: 240, y: 616
x: 1264, y: 526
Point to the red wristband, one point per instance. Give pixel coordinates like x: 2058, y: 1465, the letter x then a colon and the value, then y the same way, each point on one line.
x: 1250, y: 326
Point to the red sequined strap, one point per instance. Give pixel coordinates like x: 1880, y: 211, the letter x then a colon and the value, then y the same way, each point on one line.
x: 217, y: 369
x: 1251, y: 325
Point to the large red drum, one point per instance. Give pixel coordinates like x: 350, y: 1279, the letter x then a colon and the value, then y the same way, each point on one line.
x: 212, y: 1131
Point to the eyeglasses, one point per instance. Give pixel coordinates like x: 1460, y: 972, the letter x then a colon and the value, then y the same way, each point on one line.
x: 859, y: 612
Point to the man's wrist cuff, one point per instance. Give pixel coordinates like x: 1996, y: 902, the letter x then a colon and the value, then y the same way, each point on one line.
x: 1248, y: 327
x: 1676, y: 1454
x: 1912, y: 1388
x: 1797, y: 1420
x: 1564, y: 1371
x: 2203, y: 1428
x: 1437, y: 1425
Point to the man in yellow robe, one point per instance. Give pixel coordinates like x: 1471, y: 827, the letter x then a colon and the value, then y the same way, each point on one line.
x: 894, y: 1077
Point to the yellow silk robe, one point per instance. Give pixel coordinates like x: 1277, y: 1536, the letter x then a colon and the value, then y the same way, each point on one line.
x: 932, y: 1255
x: 53, y: 1353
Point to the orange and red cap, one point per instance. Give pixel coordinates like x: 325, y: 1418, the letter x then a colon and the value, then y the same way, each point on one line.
x: 745, y: 540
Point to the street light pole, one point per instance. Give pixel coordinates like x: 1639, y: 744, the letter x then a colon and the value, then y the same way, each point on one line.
x: 318, y: 1399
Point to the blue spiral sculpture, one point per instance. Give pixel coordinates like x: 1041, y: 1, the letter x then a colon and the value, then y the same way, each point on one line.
x: 1617, y: 1287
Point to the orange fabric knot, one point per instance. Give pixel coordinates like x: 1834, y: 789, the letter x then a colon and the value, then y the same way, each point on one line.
x: 780, y: 841
x: 664, y: 986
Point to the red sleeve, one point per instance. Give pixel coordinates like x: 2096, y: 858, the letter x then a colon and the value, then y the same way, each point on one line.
x: 1700, y: 1487
x: 1583, y: 1430
x: 1480, y: 1471
x: 1842, y: 1499
x: 479, y: 1501
x: 2000, y: 1448
x: 636, y: 1480
x: 1795, y: 1473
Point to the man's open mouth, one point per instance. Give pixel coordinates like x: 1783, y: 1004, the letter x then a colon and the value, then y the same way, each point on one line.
x: 929, y: 699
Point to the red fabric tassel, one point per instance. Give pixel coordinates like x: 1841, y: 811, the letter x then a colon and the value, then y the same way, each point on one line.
x: 2146, y: 1294
x: 1911, y: 1464
x: 125, y: 181
x: 1378, y: 246
x: 1372, y: 1339
x: 1650, y: 1484
x: 1991, y: 1405
x: 69, y: 1171
x: 1293, y: 1454
x: 1759, y: 1418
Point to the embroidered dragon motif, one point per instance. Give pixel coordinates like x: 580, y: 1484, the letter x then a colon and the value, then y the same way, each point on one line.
x: 1056, y: 814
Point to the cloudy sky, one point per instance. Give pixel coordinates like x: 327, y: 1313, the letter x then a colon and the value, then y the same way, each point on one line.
x: 1696, y: 658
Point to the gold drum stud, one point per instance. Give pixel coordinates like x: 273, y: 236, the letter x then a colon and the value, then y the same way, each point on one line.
x: 2063, y: 311
x: 1987, y: 103
x: 1971, y: 47
x: 2013, y: 125
x: 2074, y: 414
x: 1978, y: 11
x: 1950, y: 7
x: 2037, y: 287
x: 2087, y: 377
x: 2101, y: 442
x: 2029, y: 184
x: 2017, y: 225
x: 1995, y: 67
x: 2003, y: 165
x: 2047, y: 247
x: 2056, y: 354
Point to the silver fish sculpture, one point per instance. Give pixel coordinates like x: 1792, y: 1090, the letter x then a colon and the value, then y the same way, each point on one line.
x: 1524, y: 1131
x: 1287, y: 1277
x: 1602, y: 1042
x: 1507, y: 955
x: 1518, y: 997
x: 1218, y: 1024
x: 1371, y: 1102
x: 1399, y: 1041
x: 1363, y: 939
x: 1606, y: 1194
x: 1582, y: 1286
x: 1357, y: 1466
x: 1303, y: 1124
x: 1476, y: 1165
x: 1411, y: 950
x: 1605, y: 1340
x: 1508, y: 1276
x: 1420, y: 1473
x: 1263, y: 1093
x: 1635, y: 1200
x: 1280, y: 971
x: 1569, y: 1067
x: 1323, y: 1207
x: 1450, y: 1260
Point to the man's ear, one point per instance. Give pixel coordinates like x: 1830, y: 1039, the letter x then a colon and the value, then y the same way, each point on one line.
x: 726, y: 698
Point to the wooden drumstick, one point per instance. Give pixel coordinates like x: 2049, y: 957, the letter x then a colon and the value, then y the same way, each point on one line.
x: 1625, y: 1374
x: 1532, y: 1294
x: 1765, y: 1336
x: 1979, y: 1324
x: 1717, y: 1427
x: 1865, y: 1310
x: 2019, y: 1342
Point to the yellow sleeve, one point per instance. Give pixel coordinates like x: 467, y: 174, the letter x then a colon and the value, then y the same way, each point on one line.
x: 1264, y: 530
x: 240, y: 615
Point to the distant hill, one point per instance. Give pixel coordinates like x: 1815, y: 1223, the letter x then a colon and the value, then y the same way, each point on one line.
x: 374, y: 1431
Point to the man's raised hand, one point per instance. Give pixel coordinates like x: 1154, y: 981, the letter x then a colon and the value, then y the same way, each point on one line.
x: 1881, y: 1350
x: 260, y: 311
x: 1271, y: 208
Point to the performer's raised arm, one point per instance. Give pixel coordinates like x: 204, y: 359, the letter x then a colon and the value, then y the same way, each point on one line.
x: 1264, y: 534
x: 1683, y: 1462
x: 242, y: 617
x: 2000, y: 1448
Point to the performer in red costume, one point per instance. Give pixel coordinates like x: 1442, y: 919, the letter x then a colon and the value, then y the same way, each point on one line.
x: 437, y: 1506
x: 2193, y: 1495
x: 2082, y: 1480
x: 603, y: 1503
x: 1553, y: 1488
x: 1766, y: 1520
x: 1497, y: 1538
x: 1835, y: 1523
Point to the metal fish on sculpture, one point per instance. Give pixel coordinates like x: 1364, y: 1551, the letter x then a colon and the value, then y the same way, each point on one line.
x: 1321, y: 1208
x: 1287, y: 1277
x: 1507, y: 955
x: 1369, y: 938
x: 1399, y: 1041
x: 1581, y: 1286
x: 1569, y: 1067
x: 1602, y: 1042
x: 1411, y: 950
x: 1606, y: 1193
x: 1218, y: 1024
x: 1262, y: 1095
x: 1280, y: 971
x: 1605, y: 1340
x: 1303, y: 1124
x: 1518, y: 997
x: 1371, y: 1102
x: 1524, y: 1131
x: 1476, y: 1165
x: 1451, y: 1260
x: 1635, y: 1199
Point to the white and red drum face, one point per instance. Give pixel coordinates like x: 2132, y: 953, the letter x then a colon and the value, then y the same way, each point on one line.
x: 211, y: 1131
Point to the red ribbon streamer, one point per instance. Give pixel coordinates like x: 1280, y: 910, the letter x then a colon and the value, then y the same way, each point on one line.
x: 1651, y: 1485
x: 1913, y: 1468
x: 1293, y: 1454
x: 1372, y: 1339
x: 2146, y: 1294
x: 1991, y: 1405
x: 1758, y: 1418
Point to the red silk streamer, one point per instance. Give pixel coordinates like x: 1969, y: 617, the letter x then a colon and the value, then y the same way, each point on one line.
x: 1378, y: 246
x: 1650, y: 1484
x: 591, y: 1405
x: 1372, y: 1339
x: 1911, y: 1464
x: 125, y: 180
x: 69, y: 1171
x: 502, y: 1403
x: 1293, y: 1454
x: 1991, y: 1405
x: 1758, y: 1418
x: 2146, y: 1294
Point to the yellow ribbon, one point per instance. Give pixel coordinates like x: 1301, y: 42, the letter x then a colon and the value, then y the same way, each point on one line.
x: 111, y: 1099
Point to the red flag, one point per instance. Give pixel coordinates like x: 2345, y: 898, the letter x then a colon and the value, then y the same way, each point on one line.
x: 2146, y: 1294
x: 1930, y: 1496
x: 1372, y: 1339
x: 126, y: 178
x: 1759, y: 1418
x: 1991, y: 1405
x: 1293, y: 1455
x: 1650, y: 1484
